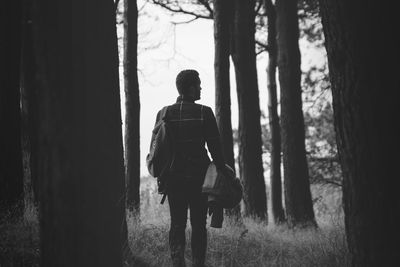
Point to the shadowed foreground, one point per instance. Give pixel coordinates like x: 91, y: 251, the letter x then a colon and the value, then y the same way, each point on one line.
x: 251, y: 244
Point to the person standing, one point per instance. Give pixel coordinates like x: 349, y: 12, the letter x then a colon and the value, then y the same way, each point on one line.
x: 193, y: 126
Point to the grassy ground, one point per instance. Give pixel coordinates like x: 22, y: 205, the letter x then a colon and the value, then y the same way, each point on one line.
x: 249, y: 244
x: 19, y: 240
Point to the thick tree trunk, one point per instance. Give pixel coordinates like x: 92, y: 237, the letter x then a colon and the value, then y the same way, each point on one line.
x: 11, y: 172
x: 132, y: 106
x: 250, y: 145
x: 222, y: 20
x: 29, y: 104
x: 82, y: 202
x: 278, y: 213
x: 362, y: 53
x: 299, y: 207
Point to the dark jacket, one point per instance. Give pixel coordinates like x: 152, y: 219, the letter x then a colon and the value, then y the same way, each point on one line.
x: 223, y: 189
x: 192, y: 126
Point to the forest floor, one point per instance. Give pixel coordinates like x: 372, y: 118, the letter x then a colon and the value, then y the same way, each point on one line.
x: 250, y: 243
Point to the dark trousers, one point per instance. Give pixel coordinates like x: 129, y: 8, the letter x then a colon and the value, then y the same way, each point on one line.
x: 180, y: 198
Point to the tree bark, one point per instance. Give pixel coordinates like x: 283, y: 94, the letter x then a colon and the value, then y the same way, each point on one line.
x: 11, y: 172
x: 132, y: 106
x: 278, y: 213
x: 82, y: 201
x: 29, y: 104
x: 362, y: 53
x: 222, y: 21
x: 250, y: 145
x: 299, y: 207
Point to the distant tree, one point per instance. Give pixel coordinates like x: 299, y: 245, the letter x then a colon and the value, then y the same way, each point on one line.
x: 132, y: 105
x: 365, y: 84
x: 11, y: 173
x: 299, y: 207
x: 82, y: 202
x: 250, y: 145
x: 278, y: 213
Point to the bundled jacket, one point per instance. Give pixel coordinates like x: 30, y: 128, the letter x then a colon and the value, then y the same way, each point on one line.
x: 223, y: 189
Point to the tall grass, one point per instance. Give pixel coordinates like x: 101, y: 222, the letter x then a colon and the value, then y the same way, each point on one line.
x: 19, y: 239
x: 250, y: 243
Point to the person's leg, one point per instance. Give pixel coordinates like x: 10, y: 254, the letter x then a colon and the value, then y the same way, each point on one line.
x: 198, y: 219
x: 178, y: 206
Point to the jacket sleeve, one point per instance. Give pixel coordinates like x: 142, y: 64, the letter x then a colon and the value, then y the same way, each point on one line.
x: 213, y: 138
x: 158, y: 118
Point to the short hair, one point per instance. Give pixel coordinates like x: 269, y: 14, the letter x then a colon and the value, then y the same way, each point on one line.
x: 185, y: 79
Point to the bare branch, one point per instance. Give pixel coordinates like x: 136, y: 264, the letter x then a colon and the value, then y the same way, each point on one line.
x: 263, y: 45
x: 179, y: 9
x: 184, y: 22
x: 332, y: 182
x: 207, y: 6
x: 258, y: 7
x: 324, y: 159
x: 314, y: 102
x: 116, y: 4
x: 140, y: 9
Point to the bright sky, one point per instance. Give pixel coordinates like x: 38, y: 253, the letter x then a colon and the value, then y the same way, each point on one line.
x: 194, y: 49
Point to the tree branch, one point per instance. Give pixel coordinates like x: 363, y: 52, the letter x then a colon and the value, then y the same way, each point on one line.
x: 207, y: 6
x: 324, y: 159
x: 263, y: 45
x: 258, y: 7
x: 180, y: 10
x: 184, y: 22
x: 332, y: 182
x: 116, y: 5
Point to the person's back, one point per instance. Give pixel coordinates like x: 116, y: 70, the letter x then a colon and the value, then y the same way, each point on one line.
x: 192, y: 126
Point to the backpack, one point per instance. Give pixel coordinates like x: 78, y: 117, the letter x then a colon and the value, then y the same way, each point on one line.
x: 161, y: 156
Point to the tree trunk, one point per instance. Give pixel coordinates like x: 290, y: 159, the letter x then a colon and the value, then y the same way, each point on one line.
x: 222, y: 20
x: 29, y: 104
x: 299, y: 207
x: 82, y: 202
x: 278, y: 213
x: 132, y: 106
x: 250, y: 145
x: 11, y: 172
x: 362, y: 53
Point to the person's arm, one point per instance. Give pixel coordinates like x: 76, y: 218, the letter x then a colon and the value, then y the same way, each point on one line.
x: 158, y: 118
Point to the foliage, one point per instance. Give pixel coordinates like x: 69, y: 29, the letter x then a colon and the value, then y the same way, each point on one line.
x: 310, y: 22
x: 321, y: 147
